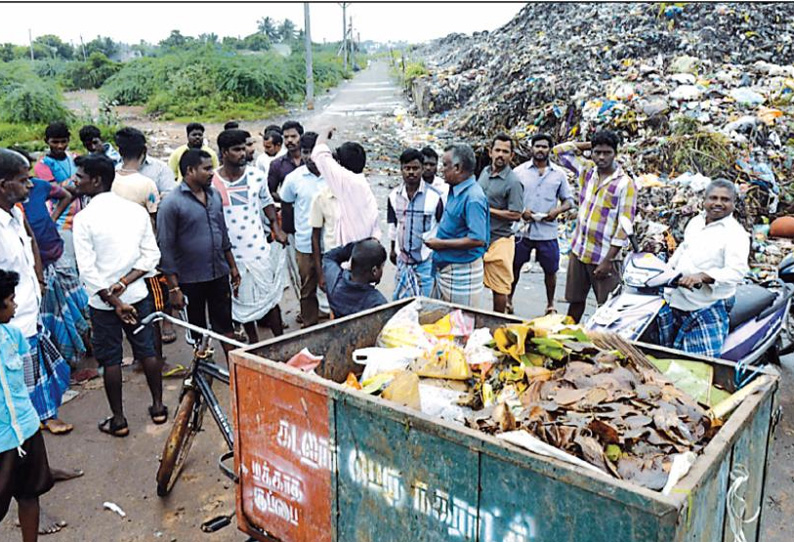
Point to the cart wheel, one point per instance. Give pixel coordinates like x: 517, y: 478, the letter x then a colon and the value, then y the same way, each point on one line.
x: 187, y: 422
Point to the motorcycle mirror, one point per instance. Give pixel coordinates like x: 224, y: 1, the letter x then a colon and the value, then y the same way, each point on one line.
x: 626, y: 224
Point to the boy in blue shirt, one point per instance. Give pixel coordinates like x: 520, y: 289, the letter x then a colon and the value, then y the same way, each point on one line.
x: 24, y: 469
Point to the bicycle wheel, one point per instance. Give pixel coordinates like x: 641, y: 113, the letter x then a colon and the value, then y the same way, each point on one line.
x: 187, y: 423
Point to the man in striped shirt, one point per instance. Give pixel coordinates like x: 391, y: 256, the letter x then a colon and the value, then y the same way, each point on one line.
x: 413, y: 212
x: 606, y: 193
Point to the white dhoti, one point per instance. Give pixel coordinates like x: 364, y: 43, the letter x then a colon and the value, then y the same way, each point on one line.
x: 261, y: 286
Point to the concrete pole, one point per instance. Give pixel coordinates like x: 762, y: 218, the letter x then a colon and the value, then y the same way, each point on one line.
x: 30, y: 42
x: 309, y: 70
x: 344, y: 30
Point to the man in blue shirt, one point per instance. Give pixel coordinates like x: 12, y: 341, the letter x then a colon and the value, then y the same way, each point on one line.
x: 296, y: 196
x: 547, y: 195
x: 463, y: 233
x: 353, y: 291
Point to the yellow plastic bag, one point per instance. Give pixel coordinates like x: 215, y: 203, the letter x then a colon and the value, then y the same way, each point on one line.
x: 455, y: 324
x: 445, y: 360
x: 404, y: 390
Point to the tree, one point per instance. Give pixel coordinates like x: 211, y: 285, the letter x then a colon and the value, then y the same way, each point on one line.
x: 211, y: 38
x: 58, y: 48
x: 106, y: 46
x: 7, y: 52
x: 175, y: 41
x: 90, y: 74
x: 287, y: 30
x: 267, y: 26
x: 256, y: 42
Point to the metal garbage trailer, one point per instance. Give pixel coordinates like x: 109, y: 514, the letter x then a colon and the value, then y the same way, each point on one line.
x: 321, y: 462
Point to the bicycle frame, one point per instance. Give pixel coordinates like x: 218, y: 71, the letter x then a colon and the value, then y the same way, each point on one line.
x: 203, y: 371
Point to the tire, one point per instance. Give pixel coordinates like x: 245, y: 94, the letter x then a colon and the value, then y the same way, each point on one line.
x: 187, y: 423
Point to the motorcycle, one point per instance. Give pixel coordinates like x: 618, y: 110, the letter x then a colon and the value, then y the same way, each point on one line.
x: 758, y: 317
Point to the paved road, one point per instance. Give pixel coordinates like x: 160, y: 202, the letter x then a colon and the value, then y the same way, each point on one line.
x: 122, y: 470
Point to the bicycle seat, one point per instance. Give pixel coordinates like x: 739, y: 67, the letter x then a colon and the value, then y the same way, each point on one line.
x: 751, y: 300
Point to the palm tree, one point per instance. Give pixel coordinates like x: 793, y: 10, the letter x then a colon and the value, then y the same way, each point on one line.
x: 267, y: 26
x: 287, y: 30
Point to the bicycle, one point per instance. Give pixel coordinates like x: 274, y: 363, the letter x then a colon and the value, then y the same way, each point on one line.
x: 196, y: 396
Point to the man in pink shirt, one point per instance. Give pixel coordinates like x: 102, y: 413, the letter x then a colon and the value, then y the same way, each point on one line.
x: 358, y: 210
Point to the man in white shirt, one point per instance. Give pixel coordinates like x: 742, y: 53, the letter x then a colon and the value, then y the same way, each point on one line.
x: 430, y: 173
x: 46, y: 372
x: 116, y: 248
x: 712, y: 261
x: 272, y: 144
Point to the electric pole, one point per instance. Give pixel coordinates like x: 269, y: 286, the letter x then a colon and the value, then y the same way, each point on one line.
x: 85, y: 58
x: 309, y: 69
x: 344, y: 30
x: 30, y: 42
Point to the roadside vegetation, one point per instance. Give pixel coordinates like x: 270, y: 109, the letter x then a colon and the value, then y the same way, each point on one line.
x: 181, y: 78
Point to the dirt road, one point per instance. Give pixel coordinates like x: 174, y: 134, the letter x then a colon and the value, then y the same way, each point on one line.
x: 122, y: 470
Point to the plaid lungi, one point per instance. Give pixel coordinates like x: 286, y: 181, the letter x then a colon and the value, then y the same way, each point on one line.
x: 700, y: 332
x: 413, y: 280
x: 46, y: 375
x: 64, y: 311
x: 460, y: 283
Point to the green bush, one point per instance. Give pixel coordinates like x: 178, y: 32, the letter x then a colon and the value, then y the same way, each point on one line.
x: 90, y: 74
x: 26, y: 98
x: 213, y: 84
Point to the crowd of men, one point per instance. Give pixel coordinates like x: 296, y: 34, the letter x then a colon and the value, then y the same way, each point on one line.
x: 91, y: 244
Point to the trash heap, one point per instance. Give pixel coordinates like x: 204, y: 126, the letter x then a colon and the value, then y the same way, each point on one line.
x: 697, y: 91
x: 546, y: 385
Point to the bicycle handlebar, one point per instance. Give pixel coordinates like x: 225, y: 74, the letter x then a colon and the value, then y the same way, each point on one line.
x: 187, y: 325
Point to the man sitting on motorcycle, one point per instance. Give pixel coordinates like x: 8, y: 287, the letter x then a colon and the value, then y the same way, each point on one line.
x: 712, y: 261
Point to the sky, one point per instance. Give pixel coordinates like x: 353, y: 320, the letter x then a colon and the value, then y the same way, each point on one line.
x: 152, y: 22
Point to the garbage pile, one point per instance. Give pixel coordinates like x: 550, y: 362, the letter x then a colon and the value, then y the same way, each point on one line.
x: 697, y: 90
x: 546, y: 385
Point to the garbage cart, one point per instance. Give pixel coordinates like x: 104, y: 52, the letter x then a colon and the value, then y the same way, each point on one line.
x: 318, y: 461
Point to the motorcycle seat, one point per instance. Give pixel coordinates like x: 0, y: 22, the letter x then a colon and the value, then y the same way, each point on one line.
x: 751, y: 300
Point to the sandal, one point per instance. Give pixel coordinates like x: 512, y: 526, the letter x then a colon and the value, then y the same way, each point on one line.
x: 120, y: 430
x: 168, y: 337
x: 551, y: 310
x: 56, y: 426
x: 174, y: 371
x: 159, y: 417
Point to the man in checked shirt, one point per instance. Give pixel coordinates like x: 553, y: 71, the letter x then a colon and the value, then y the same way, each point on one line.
x: 606, y: 192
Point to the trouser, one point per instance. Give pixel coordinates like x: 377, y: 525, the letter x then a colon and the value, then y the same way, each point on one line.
x: 310, y: 308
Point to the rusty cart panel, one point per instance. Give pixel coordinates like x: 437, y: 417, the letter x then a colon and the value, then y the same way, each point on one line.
x: 318, y: 461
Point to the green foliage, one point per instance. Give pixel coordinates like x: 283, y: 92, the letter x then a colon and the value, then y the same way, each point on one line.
x: 27, y: 136
x: 54, y: 47
x: 91, y: 74
x: 414, y: 70
x: 7, y: 52
x: 267, y: 26
x: 25, y: 97
x: 50, y: 68
x: 208, y: 84
x: 105, y: 45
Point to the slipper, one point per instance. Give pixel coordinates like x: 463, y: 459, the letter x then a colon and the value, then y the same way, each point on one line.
x: 509, y: 308
x: 62, y: 475
x: 159, y: 417
x: 121, y: 430
x: 84, y: 375
x: 174, y: 371
x: 551, y: 310
x: 168, y: 337
x: 56, y: 426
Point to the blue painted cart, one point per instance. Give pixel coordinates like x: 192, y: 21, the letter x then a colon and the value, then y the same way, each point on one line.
x: 320, y: 462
